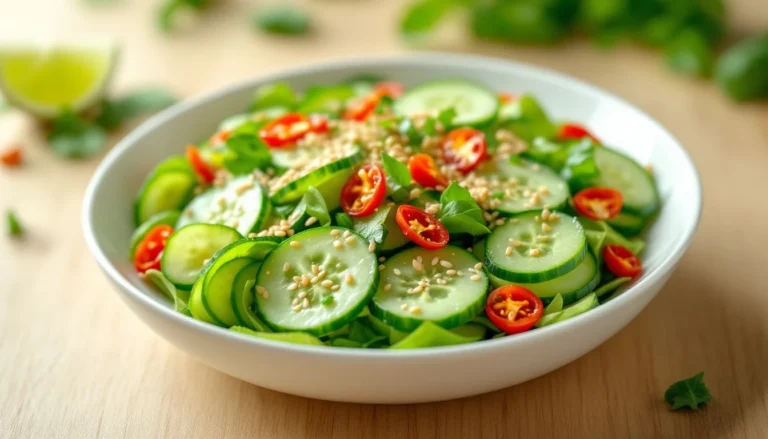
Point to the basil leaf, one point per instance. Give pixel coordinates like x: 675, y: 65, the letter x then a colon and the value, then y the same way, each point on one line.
x: 326, y: 99
x: 398, y: 177
x: 284, y: 20
x: 316, y: 207
x: 171, y: 8
x: 244, y: 153
x: 422, y: 16
x: 689, y: 52
x: 580, y: 168
x: 407, y: 128
x: 372, y: 227
x: 74, y: 137
x: 460, y: 213
x: 278, y: 94
x: 115, y: 112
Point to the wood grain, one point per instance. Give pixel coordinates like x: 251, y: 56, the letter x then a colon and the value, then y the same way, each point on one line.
x: 74, y: 362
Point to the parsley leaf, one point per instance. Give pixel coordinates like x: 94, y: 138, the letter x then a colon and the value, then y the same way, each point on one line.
x: 244, y: 153
x: 13, y: 226
x: 691, y: 393
x: 316, y: 207
x: 460, y: 213
x: 73, y: 136
x: 343, y: 220
x: 285, y: 20
x: 372, y: 226
x: 114, y: 112
x: 398, y: 177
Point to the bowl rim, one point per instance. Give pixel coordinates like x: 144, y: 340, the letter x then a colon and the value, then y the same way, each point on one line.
x: 416, y: 59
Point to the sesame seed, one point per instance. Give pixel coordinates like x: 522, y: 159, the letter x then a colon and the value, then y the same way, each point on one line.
x: 350, y: 280
x: 382, y: 266
x: 335, y: 288
x: 372, y: 247
x: 240, y: 190
x: 297, y: 279
x: 476, y: 277
x: 338, y: 244
x: 435, y: 260
x: 440, y: 188
x: 417, y: 290
x: 305, y: 303
x: 415, y: 192
x: 326, y: 283
x: 382, y: 259
x: 293, y: 287
x: 554, y: 216
x: 252, y: 235
x: 296, y: 308
x: 349, y: 240
x: 534, y: 252
x: 335, y: 232
x: 418, y: 266
x: 295, y: 244
x: 305, y: 281
x: 280, y: 233
x: 396, y: 271
x: 302, y: 295
x: 314, y: 280
x: 387, y: 287
x: 404, y: 306
x: 286, y: 266
x: 500, y: 222
x: 460, y: 273
x: 545, y: 214
x: 311, y: 220
x: 322, y: 274
x: 295, y: 302
x: 346, y: 234
x: 508, y: 251
x: 446, y: 264
x: 442, y: 281
x: 260, y: 289
x: 479, y: 266
x: 451, y: 272
x: 290, y: 232
x: 415, y: 310
x: 546, y: 227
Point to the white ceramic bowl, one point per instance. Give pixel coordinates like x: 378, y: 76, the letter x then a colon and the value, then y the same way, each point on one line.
x: 380, y: 376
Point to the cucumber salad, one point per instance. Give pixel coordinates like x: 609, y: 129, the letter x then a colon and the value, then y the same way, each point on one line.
x: 368, y: 215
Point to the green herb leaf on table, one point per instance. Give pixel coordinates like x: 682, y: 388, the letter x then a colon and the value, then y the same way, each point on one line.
x: 284, y: 20
x: 316, y: 207
x: 276, y: 94
x: 73, y: 136
x: 460, y: 213
x: 116, y: 111
x: 691, y: 393
x: 13, y: 226
x: 742, y: 71
x: 689, y: 52
x: 171, y: 8
x: 422, y: 16
x: 372, y: 227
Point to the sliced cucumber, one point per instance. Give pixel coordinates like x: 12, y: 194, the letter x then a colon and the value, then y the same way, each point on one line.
x: 196, y: 307
x: 527, y: 249
x: 350, y: 269
x: 571, y: 286
x: 395, y: 239
x: 190, y: 247
x: 624, y: 174
x: 242, y: 297
x: 627, y: 224
x: 233, y: 122
x: 287, y: 158
x: 241, y: 204
x: 217, y: 291
x: 327, y: 178
x: 165, y: 189
x: 167, y: 218
x: 475, y: 104
x: 586, y: 303
x: 524, y: 186
x: 448, y: 292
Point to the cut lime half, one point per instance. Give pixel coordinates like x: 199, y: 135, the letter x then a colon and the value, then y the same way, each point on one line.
x: 45, y: 79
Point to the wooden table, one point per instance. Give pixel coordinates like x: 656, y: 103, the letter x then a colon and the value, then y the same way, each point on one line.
x: 74, y: 362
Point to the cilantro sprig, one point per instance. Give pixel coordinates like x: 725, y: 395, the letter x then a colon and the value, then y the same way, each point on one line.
x: 689, y: 393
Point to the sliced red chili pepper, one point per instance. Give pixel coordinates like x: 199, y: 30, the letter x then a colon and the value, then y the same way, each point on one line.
x: 465, y: 148
x: 288, y: 128
x: 150, y: 249
x: 425, y: 172
x: 392, y: 89
x: 621, y: 261
x: 11, y: 157
x: 572, y: 131
x: 204, y: 171
x: 514, y: 309
x: 364, y: 191
x: 421, y: 227
x: 220, y: 137
x: 359, y: 109
x: 505, y: 98
x: 598, y: 203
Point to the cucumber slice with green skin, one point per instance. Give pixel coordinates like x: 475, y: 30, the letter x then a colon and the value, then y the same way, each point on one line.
x: 217, y: 291
x: 350, y: 269
x: 163, y: 218
x: 430, y: 335
x: 585, y: 304
x: 395, y: 239
x: 627, y: 224
x: 627, y: 176
x: 475, y: 104
x: 508, y: 248
x: 240, y: 204
x: 524, y: 186
x: 334, y: 173
x: 443, y: 293
x: 195, y: 304
x: 287, y: 157
x: 242, y: 296
x: 236, y: 121
x: 190, y: 247
x: 571, y: 286
x: 169, y: 189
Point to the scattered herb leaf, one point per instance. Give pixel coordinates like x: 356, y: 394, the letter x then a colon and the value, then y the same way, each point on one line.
x: 171, y: 8
x: 422, y: 16
x: 116, y: 111
x: 398, y: 177
x: 372, y: 227
x: 75, y: 137
x: 460, y: 213
x: 343, y: 220
x: 284, y: 20
x: 13, y: 226
x: 691, y: 393
x: 277, y: 94
x: 244, y: 153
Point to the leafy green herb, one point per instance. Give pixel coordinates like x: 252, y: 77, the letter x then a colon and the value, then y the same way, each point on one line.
x: 244, y: 153
x: 115, y: 112
x: 284, y: 20
x: 398, y: 177
x: 408, y: 129
x: 276, y: 94
x: 171, y: 8
x: 327, y: 99
x: 742, y: 71
x: 691, y: 393
x: 527, y: 119
x: 316, y: 206
x: 13, y: 225
x: 689, y: 52
x: 422, y: 16
x: 446, y: 116
x: 460, y: 213
x: 73, y: 136
x: 580, y: 168
x: 385, y: 102
x: 343, y: 220
x: 372, y: 227
x: 529, y: 21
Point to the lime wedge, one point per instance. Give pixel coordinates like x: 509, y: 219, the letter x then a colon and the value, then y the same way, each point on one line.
x: 44, y: 79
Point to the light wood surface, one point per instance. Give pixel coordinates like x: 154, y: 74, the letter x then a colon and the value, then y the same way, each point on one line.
x: 74, y: 362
